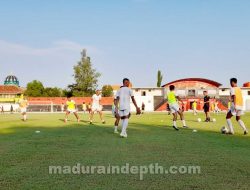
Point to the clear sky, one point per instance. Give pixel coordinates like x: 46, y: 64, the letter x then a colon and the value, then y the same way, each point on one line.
x: 42, y: 39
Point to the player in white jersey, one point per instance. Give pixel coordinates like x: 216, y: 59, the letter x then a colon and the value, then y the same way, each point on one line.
x: 96, y: 106
x: 123, y: 100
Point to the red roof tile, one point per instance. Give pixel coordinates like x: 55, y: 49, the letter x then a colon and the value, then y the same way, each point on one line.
x: 9, y: 89
x: 211, y: 82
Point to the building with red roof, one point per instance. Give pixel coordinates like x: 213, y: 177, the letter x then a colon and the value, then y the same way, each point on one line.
x: 10, y: 92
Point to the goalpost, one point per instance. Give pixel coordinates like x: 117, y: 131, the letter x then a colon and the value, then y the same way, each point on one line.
x: 41, y: 106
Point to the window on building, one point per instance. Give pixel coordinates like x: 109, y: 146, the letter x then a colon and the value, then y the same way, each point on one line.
x: 248, y: 93
x: 181, y: 93
x: 191, y: 92
x: 143, y: 93
x: 212, y: 92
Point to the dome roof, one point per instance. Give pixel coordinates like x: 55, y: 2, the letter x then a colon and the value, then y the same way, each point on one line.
x: 194, y: 81
x: 11, y: 80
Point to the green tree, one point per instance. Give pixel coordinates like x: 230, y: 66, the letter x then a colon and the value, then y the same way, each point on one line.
x: 53, y: 92
x: 34, y: 89
x: 107, y: 91
x: 66, y: 92
x: 159, y: 78
x: 86, y: 78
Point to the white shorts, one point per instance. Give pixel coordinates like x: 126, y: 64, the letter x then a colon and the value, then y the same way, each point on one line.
x: 71, y: 110
x: 174, y: 108
x: 235, y: 111
x: 23, y: 110
x: 124, y: 113
x: 96, y: 108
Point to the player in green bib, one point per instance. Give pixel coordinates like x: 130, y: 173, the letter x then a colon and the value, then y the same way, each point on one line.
x: 173, y: 99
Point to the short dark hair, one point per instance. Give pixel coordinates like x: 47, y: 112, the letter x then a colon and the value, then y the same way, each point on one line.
x: 69, y: 95
x: 233, y: 80
x: 205, y: 91
x: 171, y: 87
x: 125, y: 79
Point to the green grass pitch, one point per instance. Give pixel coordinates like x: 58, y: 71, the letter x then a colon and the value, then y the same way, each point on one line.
x: 25, y: 155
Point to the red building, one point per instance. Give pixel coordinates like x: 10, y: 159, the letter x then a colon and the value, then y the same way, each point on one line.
x: 191, y: 89
x: 10, y: 92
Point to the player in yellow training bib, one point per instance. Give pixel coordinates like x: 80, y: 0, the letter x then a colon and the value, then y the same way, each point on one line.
x: 23, y: 104
x: 194, y: 106
x: 236, y: 107
x: 71, y: 108
x: 173, y: 99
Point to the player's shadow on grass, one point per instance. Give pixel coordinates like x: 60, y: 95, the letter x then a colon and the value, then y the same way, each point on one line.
x: 134, y: 128
x: 72, y: 120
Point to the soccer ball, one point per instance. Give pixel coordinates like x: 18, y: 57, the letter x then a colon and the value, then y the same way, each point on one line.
x: 199, y: 119
x: 224, y: 130
x: 214, y: 120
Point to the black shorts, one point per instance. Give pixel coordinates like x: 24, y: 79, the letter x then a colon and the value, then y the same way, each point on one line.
x: 206, y: 108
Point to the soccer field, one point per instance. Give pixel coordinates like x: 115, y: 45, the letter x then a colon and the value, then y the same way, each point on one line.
x: 25, y: 156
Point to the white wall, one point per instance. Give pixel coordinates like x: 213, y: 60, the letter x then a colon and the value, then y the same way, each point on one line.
x: 247, y: 104
x: 149, y: 92
x: 225, y: 92
x: 147, y: 100
x: 7, y: 106
x: 246, y: 98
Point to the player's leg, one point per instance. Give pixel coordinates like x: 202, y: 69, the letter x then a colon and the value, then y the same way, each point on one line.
x: 241, y: 123
x: 117, y: 120
x: 91, y: 116
x: 208, y: 115
x: 23, y: 112
x: 182, y: 118
x: 77, y: 116
x: 174, y: 110
x: 101, y: 116
x: 229, y: 122
x: 124, y: 117
x: 66, y: 116
x: 206, y: 110
x: 24, y: 116
x: 205, y: 114
x: 89, y: 112
x: 174, y: 121
x: 124, y: 126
